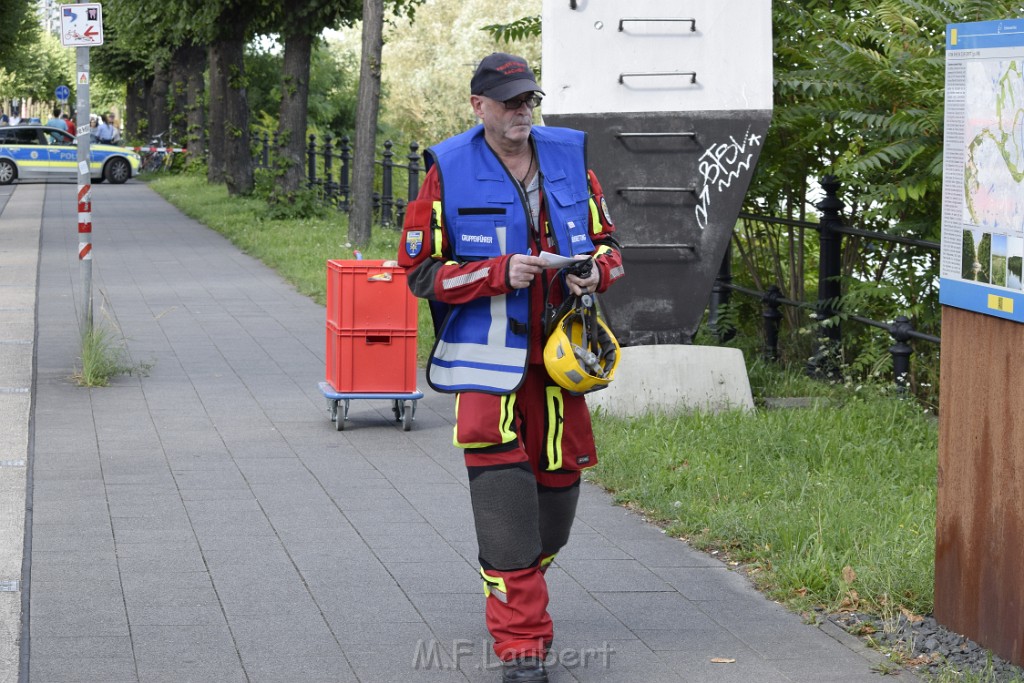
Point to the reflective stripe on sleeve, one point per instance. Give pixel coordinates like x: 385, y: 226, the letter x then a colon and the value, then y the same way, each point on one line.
x: 465, y: 279
x: 437, y: 227
x: 595, y: 218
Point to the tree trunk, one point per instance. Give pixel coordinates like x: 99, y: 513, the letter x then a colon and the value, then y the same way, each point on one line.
x: 360, y: 218
x: 159, y: 119
x: 218, y: 90
x: 181, y: 63
x: 238, y: 166
x: 195, y: 125
x: 136, y: 125
x: 293, y: 113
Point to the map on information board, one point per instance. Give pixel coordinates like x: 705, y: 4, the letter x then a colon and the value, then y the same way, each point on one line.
x: 983, y: 169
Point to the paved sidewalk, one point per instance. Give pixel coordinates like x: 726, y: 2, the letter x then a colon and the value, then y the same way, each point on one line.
x: 206, y: 523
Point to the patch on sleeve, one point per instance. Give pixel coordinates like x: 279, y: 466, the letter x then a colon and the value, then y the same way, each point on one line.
x: 413, y: 243
x: 604, y: 210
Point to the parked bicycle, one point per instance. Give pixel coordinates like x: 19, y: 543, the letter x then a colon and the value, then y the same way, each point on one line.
x: 158, y: 155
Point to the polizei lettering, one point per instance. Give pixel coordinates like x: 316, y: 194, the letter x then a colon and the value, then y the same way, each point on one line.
x: 483, y: 239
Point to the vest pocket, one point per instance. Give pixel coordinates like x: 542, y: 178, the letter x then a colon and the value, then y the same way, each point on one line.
x: 573, y: 213
x: 481, y: 235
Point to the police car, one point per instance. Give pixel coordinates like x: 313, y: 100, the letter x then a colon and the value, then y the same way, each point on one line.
x: 43, y: 152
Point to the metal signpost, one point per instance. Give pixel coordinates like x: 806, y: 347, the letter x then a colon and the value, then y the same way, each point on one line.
x: 81, y: 27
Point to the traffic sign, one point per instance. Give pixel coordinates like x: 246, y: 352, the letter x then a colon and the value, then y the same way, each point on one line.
x: 62, y: 92
x: 81, y: 25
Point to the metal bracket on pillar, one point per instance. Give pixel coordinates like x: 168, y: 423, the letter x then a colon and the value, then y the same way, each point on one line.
x: 633, y: 74
x: 693, y: 22
x: 624, y: 190
x: 651, y: 245
x: 668, y: 134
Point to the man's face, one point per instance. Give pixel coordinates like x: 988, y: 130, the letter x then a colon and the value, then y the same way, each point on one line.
x: 504, y: 126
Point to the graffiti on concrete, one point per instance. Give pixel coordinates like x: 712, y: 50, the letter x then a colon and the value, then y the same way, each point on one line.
x: 719, y: 166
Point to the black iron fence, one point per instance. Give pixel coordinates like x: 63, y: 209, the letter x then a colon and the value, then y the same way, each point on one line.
x: 831, y: 228
x: 328, y: 169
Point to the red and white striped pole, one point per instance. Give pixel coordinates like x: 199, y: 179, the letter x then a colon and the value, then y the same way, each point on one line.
x: 84, y: 188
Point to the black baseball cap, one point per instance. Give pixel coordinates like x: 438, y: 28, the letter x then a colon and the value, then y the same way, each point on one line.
x: 502, y: 76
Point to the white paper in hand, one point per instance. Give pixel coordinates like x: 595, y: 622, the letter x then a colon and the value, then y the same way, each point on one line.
x: 554, y: 260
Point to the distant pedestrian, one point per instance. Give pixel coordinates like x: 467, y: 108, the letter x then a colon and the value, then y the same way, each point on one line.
x: 70, y: 123
x: 106, y: 131
x: 56, y: 121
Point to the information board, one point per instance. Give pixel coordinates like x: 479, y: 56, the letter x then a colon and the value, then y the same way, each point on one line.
x: 983, y: 169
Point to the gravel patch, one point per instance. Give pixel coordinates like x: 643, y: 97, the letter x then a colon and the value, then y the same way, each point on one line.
x: 928, y: 647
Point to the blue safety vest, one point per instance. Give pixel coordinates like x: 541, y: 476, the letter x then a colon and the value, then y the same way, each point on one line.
x: 483, y: 344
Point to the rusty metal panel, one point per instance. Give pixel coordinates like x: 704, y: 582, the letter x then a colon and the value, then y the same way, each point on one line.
x: 979, y: 535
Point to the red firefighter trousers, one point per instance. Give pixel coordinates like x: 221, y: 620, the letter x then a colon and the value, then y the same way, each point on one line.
x: 523, y: 452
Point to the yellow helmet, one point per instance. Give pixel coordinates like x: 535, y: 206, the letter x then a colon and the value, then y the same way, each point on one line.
x: 581, y: 353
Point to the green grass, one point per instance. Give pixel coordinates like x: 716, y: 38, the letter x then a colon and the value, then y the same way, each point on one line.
x: 797, y: 495
x: 103, y: 358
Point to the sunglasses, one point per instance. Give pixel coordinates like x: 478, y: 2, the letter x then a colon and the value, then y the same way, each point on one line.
x: 532, y: 101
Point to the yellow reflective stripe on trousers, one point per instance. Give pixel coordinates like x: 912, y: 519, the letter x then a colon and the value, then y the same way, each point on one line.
x: 436, y: 226
x: 553, y: 445
x: 595, y: 217
x: 506, y: 422
x: 545, y: 561
x: 496, y: 582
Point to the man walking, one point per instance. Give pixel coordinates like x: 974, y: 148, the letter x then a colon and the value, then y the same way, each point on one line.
x: 495, y: 198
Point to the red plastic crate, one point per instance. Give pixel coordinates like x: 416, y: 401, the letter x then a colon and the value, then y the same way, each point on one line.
x: 367, y: 295
x: 371, y: 361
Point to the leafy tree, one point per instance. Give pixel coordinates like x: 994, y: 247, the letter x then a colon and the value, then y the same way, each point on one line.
x: 37, y: 70
x: 428, y: 63
x: 333, y: 82
x: 14, y: 37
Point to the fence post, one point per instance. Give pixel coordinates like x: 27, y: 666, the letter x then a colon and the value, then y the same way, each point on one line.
x: 329, y: 187
x: 720, y: 294
x: 772, y: 316
x: 825, y: 361
x: 343, y: 184
x: 399, y: 212
x: 901, y: 351
x: 386, y: 185
x: 414, y: 171
x: 311, y: 161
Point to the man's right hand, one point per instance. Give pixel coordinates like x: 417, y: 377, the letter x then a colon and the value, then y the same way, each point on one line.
x: 522, y: 269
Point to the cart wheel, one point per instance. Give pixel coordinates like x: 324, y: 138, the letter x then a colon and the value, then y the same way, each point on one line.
x: 341, y: 414
x: 407, y: 414
x: 332, y: 409
x: 398, y: 409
